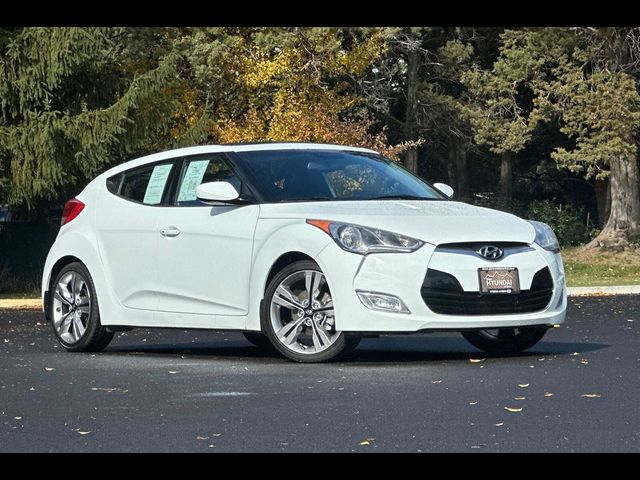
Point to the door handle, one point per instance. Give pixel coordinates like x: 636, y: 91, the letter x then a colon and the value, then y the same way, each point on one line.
x: 170, y: 232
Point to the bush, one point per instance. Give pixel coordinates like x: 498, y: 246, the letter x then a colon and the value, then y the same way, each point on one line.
x: 570, y: 223
x: 496, y: 202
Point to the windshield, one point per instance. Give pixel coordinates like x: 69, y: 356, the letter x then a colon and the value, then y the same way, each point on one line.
x: 321, y: 175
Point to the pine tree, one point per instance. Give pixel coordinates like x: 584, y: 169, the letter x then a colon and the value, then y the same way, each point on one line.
x: 72, y: 105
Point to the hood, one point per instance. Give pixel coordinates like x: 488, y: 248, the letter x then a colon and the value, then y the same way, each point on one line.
x: 435, y: 222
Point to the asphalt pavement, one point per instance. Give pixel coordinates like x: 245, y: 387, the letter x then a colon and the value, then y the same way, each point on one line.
x: 202, y: 391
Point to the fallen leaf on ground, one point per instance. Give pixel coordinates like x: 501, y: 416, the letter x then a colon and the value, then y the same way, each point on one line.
x: 513, y: 410
x: 49, y: 369
x: 476, y: 360
x: 591, y: 395
x: 523, y: 385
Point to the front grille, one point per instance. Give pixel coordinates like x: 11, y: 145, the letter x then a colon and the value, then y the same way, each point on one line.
x: 443, y: 294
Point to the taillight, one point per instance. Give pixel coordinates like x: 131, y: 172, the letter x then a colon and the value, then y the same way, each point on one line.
x: 71, y: 210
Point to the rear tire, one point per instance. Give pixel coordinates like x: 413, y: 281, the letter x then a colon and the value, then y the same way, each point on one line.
x: 74, y: 311
x: 505, y: 341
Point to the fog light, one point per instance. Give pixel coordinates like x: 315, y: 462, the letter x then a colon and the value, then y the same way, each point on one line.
x: 381, y: 301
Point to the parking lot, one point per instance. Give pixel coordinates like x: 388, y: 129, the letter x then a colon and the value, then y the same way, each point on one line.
x: 176, y: 390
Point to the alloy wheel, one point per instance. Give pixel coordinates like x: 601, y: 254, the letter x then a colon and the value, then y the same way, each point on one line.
x: 302, y: 314
x: 71, y: 307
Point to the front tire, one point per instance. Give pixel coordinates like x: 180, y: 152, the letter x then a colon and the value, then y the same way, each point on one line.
x: 75, y: 316
x: 505, y: 341
x: 258, y: 339
x: 298, y: 317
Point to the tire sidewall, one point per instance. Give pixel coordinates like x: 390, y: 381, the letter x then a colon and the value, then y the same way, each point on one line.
x: 525, y: 340
x: 265, y: 319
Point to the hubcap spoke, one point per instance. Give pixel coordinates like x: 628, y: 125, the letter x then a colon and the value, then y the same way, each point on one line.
x: 285, y: 298
x: 66, y: 325
x: 312, y: 283
x: 79, y: 285
x: 320, y: 338
x: 58, y: 322
x: 74, y: 279
x: 78, y: 328
x: 59, y: 294
x: 289, y: 333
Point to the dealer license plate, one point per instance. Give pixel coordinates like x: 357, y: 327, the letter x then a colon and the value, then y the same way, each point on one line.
x: 499, y: 280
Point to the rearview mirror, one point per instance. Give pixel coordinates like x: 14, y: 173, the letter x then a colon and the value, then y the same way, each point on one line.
x: 444, y: 188
x: 217, y: 192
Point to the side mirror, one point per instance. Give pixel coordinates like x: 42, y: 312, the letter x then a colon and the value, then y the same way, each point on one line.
x: 217, y: 192
x: 444, y: 188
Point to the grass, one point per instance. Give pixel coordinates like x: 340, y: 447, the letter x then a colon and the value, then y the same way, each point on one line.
x: 22, y: 296
x: 585, y: 268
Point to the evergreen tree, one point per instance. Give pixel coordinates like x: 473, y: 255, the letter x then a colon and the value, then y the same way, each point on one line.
x: 73, y: 102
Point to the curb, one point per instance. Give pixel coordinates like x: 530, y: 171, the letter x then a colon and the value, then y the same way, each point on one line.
x: 602, y: 291
x: 571, y: 291
x: 21, y: 304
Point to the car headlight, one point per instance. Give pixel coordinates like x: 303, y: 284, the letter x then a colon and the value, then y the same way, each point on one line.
x: 364, y: 240
x: 545, y: 236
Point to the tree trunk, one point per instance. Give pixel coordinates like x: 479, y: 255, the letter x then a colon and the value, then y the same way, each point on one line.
x: 411, y: 156
x: 452, y: 171
x: 462, y: 175
x: 411, y: 160
x: 603, y: 201
x: 623, y: 224
x: 506, y: 176
x: 457, y: 168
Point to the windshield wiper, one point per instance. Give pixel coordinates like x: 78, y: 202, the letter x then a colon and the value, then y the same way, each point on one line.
x: 401, y: 197
x: 306, y: 199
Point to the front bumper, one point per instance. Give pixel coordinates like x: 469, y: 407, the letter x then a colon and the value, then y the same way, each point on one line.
x: 402, y: 275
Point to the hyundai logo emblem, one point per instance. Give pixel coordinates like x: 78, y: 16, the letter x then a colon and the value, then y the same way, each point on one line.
x: 490, y: 252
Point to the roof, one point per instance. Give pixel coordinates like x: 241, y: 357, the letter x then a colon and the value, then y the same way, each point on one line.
x: 231, y: 147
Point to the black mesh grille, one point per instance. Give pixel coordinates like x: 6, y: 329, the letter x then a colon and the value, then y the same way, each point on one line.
x: 443, y: 294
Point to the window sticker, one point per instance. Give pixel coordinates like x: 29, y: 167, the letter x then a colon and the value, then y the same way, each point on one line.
x: 192, y: 178
x: 155, y: 187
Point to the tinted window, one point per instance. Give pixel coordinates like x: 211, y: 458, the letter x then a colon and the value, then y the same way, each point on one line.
x: 291, y: 175
x: 146, y: 184
x: 200, y: 170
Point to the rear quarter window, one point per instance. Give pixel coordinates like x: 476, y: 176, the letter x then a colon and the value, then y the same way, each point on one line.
x: 148, y: 184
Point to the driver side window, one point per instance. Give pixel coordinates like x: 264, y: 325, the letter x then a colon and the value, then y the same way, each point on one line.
x: 200, y: 170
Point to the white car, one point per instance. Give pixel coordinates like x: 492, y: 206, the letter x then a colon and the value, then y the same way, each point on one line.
x: 305, y: 247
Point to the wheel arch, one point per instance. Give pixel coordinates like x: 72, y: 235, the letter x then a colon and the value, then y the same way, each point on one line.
x: 284, y: 242
x: 282, y: 261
